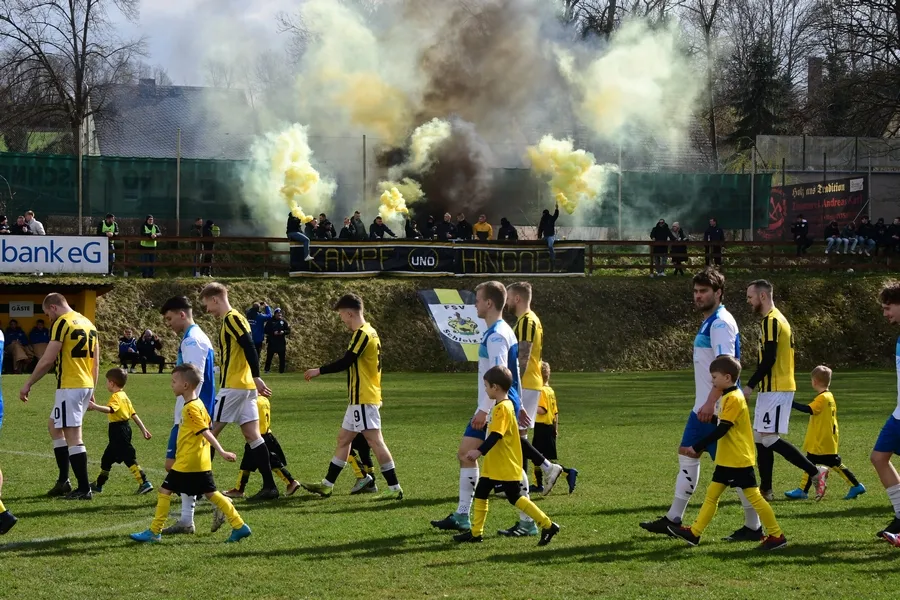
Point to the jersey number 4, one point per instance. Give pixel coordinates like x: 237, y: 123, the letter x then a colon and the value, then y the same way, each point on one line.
x: 85, y: 343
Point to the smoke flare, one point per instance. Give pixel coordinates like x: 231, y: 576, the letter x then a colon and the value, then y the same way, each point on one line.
x: 393, y: 205
x: 575, y: 177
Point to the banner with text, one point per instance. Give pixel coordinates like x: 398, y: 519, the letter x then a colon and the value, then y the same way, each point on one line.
x: 456, y: 321
x: 53, y: 254
x: 841, y: 200
x: 424, y: 259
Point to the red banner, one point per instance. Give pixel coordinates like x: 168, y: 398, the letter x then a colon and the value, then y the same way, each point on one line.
x: 842, y: 200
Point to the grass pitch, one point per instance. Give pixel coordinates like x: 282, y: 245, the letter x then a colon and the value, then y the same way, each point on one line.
x: 619, y: 430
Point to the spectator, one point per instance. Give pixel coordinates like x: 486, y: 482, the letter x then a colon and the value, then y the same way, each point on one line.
x: 197, y: 232
x: 412, y: 230
x: 547, y: 230
x: 463, y: 228
x: 326, y: 228
x: 21, y: 228
x: 714, y: 233
x: 150, y: 232
x: 358, y: 228
x: 4, y: 225
x: 128, y: 351
x: 833, y: 238
x: 378, y: 229
x: 445, y: 230
x: 36, y: 227
x: 258, y: 315
x: 39, y: 338
x: 346, y: 230
x: 17, y: 347
x: 210, y: 231
x: 881, y: 236
x: 276, y: 331
x: 800, y: 231
x: 507, y: 233
x: 893, y: 234
x: 659, y: 253
x: 679, y: 253
x: 311, y: 230
x: 848, y: 235
x: 147, y: 348
x: 109, y: 229
x: 430, y: 231
x: 295, y: 235
x: 482, y: 229
x: 866, y: 236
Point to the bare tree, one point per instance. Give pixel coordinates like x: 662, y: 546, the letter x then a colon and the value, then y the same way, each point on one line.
x: 158, y: 74
x: 220, y: 74
x: 705, y: 15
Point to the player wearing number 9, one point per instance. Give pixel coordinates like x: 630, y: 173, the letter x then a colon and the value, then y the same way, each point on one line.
x: 75, y: 350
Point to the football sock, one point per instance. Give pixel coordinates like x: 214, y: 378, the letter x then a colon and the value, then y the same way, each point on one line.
x: 480, y: 508
x: 538, y: 476
x: 528, y: 507
x: 709, y: 508
x: 468, y: 478
x: 163, y: 501
x: 523, y: 493
x: 363, y: 451
x: 751, y: 519
x: 78, y: 460
x: 187, y: 509
x: 893, y: 493
x: 61, y: 452
x: 102, y: 478
x: 138, y: 473
x: 261, y: 454
x: 847, y: 474
x: 355, y: 465
x: 334, y: 470
x: 390, y: 475
x: 284, y: 474
x: 685, y: 483
x: 766, y: 514
x: 228, y: 509
x: 530, y: 453
x: 793, y: 455
x: 2, y: 507
x: 805, y: 482
x: 765, y: 461
x: 243, y: 478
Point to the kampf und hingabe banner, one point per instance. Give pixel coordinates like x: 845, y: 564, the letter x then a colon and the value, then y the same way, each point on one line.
x: 423, y: 259
x: 456, y: 321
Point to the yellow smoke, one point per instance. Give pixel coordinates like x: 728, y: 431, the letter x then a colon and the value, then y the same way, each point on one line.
x: 424, y: 141
x: 575, y: 177
x: 392, y: 205
x: 409, y: 188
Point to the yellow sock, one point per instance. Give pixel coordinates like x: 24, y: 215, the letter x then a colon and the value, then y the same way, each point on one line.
x: 281, y: 474
x: 137, y: 472
x: 530, y: 508
x: 538, y: 475
x: 228, y: 509
x: 355, y: 465
x: 842, y: 470
x: 370, y: 471
x: 481, y: 508
x: 162, y: 512
x: 804, y: 480
x: 765, y: 512
x: 710, y: 505
x: 2, y: 507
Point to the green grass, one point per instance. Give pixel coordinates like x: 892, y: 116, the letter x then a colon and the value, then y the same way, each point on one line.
x: 620, y: 430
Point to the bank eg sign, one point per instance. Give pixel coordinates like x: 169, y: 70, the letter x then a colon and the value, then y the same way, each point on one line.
x: 53, y: 254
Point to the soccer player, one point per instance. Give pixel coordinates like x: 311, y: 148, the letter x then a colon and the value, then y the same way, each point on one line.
x: 119, y: 449
x: 75, y: 350
x: 888, y: 443
x: 360, y: 461
x: 498, y: 348
x: 530, y: 339
x: 195, y: 349
x: 774, y: 377
x: 362, y: 361
x: 718, y: 336
x: 546, y: 430
x: 192, y: 471
x: 734, y: 458
x: 822, y: 435
x: 502, y: 451
x: 7, y: 519
x: 240, y: 382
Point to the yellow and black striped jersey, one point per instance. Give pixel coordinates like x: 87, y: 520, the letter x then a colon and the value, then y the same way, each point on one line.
x: 775, y: 328
x: 529, y: 329
x: 236, y: 372
x: 265, y: 415
x: 364, y: 375
x: 75, y: 362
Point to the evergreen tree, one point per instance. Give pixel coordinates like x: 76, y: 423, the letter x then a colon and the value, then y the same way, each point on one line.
x: 755, y: 97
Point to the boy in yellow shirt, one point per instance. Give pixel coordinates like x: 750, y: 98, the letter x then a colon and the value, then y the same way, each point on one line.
x: 119, y: 449
x: 502, y: 465
x: 191, y: 473
x: 822, y: 436
x: 735, y: 457
x: 546, y: 430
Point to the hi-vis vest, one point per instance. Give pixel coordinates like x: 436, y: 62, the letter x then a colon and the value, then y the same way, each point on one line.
x: 149, y: 242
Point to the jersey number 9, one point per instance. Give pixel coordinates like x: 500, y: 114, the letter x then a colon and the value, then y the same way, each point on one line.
x: 86, y: 342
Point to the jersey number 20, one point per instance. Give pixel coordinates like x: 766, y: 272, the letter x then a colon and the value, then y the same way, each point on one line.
x: 85, y: 343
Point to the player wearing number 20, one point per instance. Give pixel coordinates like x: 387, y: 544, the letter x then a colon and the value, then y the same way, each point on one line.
x: 73, y: 346
x: 362, y: 361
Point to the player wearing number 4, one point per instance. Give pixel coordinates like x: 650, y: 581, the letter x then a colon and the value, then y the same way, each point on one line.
x: 363, y: 363
x: 73, y: 347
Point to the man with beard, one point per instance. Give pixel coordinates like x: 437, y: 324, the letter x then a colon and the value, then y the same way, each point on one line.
x: 888, y: 443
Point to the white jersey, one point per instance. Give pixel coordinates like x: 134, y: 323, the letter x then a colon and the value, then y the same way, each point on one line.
x: 896, y: 414
x: 718, y: 336
x: 196, y: 349
x: 498, y: 347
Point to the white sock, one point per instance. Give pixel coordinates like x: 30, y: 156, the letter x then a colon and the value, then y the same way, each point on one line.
x: 751, y: 519
x: 893, y: 493
x: 523, y: 491
x: 688, y: 475
x: 545, y: 466
x: 187, y: 510
x: 468, y: 478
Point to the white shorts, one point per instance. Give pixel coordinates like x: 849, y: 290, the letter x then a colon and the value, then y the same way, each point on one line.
x: 360, y: 417
x: 70, y: 406
x: 236, y: 406
x: 773, y: 412
x: 530, y: 400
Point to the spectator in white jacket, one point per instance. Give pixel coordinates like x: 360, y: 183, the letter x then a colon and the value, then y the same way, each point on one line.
x: 36, y: 227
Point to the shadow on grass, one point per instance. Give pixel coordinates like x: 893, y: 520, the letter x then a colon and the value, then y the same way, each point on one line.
x: 60, y: 508
x: 91, y: 545
x: 379, y: 505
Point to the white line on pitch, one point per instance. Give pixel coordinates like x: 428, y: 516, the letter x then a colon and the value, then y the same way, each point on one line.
x: 51, y: 457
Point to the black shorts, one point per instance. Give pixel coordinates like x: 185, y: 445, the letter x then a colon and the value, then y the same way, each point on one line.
x: 736, y: 477
x: 119, y: 449
x: 192, y: 484
x: 544, y: 440
x: 276, y: 454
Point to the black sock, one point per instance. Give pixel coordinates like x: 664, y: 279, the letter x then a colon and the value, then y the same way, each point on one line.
x: 793, y: 455
x: 538, y: 476
x: 333, y: 472
x: 245, y: 477
x: 287, y: 474
x: 849, y: 475
x: 80, y: 469
x: 390, y: 476
x: 765, y: 460
x: 363, y: 452
x: 261, y: 453
x: 62, y: 462
x: 530, y: 453
x: 102, y: 477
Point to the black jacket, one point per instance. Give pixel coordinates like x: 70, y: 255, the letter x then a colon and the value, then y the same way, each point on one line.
x: 832, y: 230
x: 207, y: 233
x: 377, y: 232
x: 147, y: 348
x: 293, y: 224
x: 800, y: 230
x: 507, y: 232
x: 346, y: 233
x: 325, y: 231
x: 661, y: 233
x: 866, y: 230
x: 310, y: 231
x: 358, y: 230
x: 445, y: 231
x: 892, y: 232
x: 881, y: 235
x: 411, y: 232
x: 463, y: 230
x: 15, y: 229
x: 277, y: 325
x: 547, y: 226
x: 713, y: 234
x: 430, y: 229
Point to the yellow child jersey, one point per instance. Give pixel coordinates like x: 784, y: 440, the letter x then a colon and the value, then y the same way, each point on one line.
x: 236, y: 373
x: 529, y: 329
x: 265, y: 415
x: 121, y: 406
x: 503, y: 462
x: 548, y: 403
x: 364, y: 375
x: 75, y: 363
x: 822, y: 433
x: 192, y: 449
x: 736, y: 448
x: 775, y: 328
